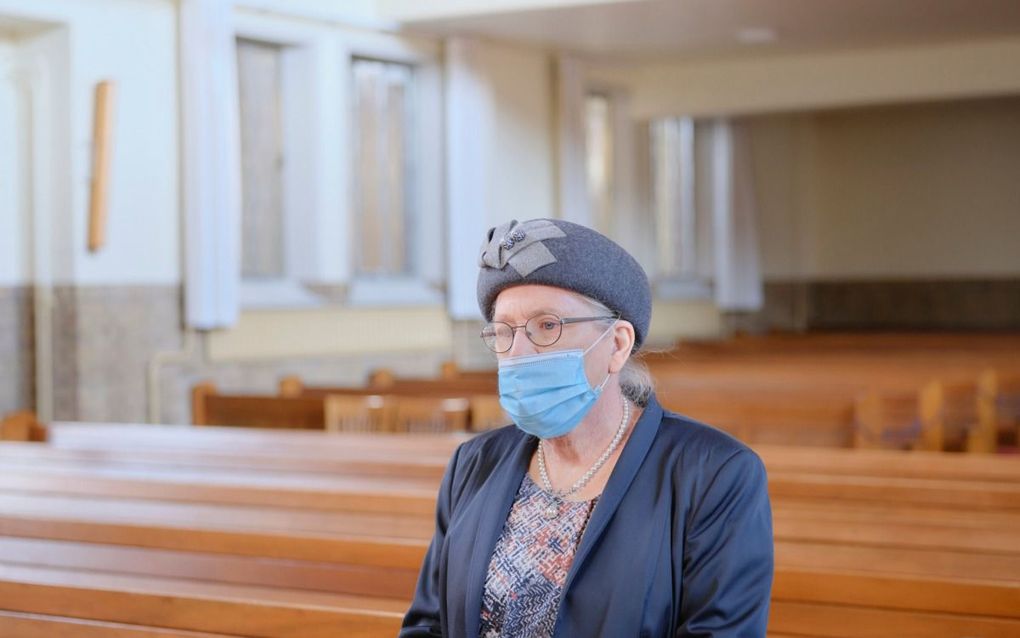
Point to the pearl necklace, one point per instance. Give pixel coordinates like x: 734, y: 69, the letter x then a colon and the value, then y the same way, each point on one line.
x: 552, y: 510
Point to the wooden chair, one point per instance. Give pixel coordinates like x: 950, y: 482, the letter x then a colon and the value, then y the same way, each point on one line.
x: 999, y: 402
x: 352, y: 413
x: 886, y: 420
x: 952, y: 413
x: 487, y: 413
x: 429, y: 414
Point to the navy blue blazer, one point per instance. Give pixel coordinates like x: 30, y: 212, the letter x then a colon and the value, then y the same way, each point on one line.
x: 679, y: 544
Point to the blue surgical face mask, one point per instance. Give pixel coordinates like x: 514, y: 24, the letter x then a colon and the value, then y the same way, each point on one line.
x: 548, y: 394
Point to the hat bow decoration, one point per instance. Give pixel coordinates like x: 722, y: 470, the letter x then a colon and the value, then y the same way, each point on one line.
x: 520, y: 245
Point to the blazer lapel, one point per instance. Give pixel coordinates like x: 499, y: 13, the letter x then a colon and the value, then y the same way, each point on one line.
x: 623, y: 474
x: 497, y: 497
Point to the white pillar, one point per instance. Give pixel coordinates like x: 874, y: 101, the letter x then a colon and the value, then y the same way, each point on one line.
x: 469, y: 138
x: 211, y: 163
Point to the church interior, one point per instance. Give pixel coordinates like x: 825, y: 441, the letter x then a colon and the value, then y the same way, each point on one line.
x: 239, y: 331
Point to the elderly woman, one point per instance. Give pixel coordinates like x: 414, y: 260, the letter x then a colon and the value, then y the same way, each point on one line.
x: 599, y: 514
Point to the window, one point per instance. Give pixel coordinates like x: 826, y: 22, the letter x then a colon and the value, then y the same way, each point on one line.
x: 674, y: 197
x: 342, y: 180
x: 681, y: 206
x: 649, y: 188
x: 259, y: 70
x: 383, y: 168
x: 599, y: 153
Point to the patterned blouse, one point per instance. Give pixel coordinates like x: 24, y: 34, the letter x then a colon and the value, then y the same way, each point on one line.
x: 530, y: 563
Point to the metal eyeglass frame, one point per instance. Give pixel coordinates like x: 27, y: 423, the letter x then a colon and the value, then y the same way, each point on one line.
x: 513, y: 329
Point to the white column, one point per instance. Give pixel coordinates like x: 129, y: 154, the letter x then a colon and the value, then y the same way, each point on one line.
x: 573, y: 202
x: 738, y: 282
x: 211, y: 163
x: 469, y: 135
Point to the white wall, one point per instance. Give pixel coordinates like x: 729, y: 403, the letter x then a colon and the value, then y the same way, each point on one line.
x: 14, y: 254
x: 910, y: 191
x: 500, y: 145
x: 521, y: 185
x: 137, y: 50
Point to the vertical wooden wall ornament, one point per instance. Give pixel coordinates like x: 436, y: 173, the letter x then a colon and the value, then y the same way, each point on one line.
x: 102, y: 149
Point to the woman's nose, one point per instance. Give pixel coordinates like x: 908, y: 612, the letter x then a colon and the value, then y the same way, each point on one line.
x: 521, y: 344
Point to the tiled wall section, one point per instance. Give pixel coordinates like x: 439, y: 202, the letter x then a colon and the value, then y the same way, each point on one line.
x: 17, y: 370
x: 108, y: 337
x: 990, y: 304
x: 104, y: 338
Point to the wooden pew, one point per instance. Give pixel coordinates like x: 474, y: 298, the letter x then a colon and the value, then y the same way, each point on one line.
x: 44, y: 626
x: 793, y: 390
x: 377, y: 407
x: 293, y: 386
x: 436, y: 449
x: 265, y: 462
x: 850, y: 530
x: 188, y: 605
x: 388, y: 413
x: 399, y: 408
x: 374, y: 581
x: 209, y: 407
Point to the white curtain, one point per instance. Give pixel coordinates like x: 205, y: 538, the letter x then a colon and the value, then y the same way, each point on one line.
x: 212, y: 163
x: 737, y: 266
x: 469, y: 140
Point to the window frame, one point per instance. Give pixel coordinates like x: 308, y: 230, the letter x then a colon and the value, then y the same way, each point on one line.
x: 318, y: 206
x: 424, y: 283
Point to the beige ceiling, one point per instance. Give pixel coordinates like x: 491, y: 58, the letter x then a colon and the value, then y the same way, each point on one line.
x: 661, y: 28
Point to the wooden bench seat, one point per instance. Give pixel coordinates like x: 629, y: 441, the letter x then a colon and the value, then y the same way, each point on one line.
x: 267, y: 462
x: 985, y: 602
x: 25, y: 512
x: 177, y: 515
x: 180, y: 604
x: 882, y: 463
x: 964, y: 494
x: 43, y: 626
x: 311, y: 492
x: 958, y: 573
x: 839, y: 620
x: 438, y: 448
x: 316, y: 576
x: 937, y: 564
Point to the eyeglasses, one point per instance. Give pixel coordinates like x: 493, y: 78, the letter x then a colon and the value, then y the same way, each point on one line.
x: 542, y: 330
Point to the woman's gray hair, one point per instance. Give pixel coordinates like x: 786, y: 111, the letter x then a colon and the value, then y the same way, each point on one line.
x: 636, y: 381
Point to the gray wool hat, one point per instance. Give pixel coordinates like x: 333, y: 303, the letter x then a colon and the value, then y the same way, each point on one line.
x: 553, y: 252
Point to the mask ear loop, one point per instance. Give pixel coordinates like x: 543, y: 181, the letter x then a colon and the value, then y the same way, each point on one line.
x: 601, y: 336
x: 588, y: 349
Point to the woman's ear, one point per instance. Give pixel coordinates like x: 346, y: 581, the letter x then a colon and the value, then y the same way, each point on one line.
x: 623, y: 343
